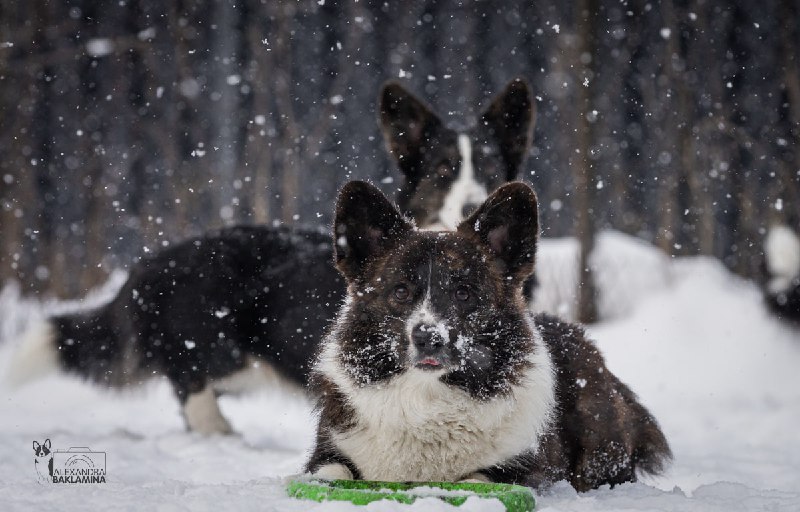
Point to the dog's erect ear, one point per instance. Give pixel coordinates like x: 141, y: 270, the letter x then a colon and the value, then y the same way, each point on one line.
x: 406, y: 122
x: 47, y: 444
x: 510, y: 118
x: 507, y: 225
x: 36, y: 446
x: 366, y: 226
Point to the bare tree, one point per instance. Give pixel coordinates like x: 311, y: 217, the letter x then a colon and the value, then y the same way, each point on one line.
x: 583, y: 168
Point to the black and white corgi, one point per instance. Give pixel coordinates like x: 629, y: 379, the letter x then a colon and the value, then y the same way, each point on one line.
x: 782, y: 255
x: 216, y: 312
x: 435, y: 369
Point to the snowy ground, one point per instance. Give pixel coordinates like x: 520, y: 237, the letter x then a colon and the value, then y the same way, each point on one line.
x: 693, y: 341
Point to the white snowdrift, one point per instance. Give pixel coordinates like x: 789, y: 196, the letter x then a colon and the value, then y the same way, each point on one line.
x: 693, y: 341
x: 625, y: 270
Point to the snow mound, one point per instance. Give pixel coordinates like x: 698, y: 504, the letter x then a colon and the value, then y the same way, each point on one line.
x: 625, y: 270
x: 720, y: 374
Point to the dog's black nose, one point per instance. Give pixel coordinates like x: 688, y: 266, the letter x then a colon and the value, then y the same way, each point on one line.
x: 468, y: 208
x: 427, y: 338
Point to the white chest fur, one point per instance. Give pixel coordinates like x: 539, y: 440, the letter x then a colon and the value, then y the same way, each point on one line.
x: 463, y: 191
x: 416, y: 428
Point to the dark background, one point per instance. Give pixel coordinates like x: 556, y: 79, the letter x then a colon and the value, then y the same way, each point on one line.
x: 125, y: 125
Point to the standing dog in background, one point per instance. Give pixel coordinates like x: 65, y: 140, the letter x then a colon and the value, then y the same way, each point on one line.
x: 217, y: 312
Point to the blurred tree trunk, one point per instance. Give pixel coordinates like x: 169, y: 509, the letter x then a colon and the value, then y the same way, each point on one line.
x: 289, y: 168
x: 257, y: 146
x: 705, y: 123
x: 789, y: 167
x: 12, y: 181
x: 43, y: 247
x: 224, y: 118
x: 667, y: 162
x: 180, y: 131
x: 583, y: 168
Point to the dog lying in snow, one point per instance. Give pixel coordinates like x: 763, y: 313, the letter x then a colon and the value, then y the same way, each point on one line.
x: 436, y: 371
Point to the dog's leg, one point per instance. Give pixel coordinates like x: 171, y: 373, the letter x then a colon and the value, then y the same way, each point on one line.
x: 476, y: 478
x: 202, y: 413
x: 327, y: 462
x: 333, y: 472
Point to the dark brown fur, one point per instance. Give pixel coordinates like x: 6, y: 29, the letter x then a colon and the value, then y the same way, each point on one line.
x: 602, y: 434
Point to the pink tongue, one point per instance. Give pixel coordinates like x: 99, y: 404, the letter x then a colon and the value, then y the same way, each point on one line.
x: 430, y: 361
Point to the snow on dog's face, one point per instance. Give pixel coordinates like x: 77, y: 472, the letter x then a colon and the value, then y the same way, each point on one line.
x: 447, y: 173
x: 445, y: 304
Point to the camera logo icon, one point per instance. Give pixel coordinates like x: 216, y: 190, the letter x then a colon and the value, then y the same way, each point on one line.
x: 78, y: 465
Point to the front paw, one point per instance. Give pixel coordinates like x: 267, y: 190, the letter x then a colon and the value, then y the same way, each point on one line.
x: 475, y: 478
x: 333, y: 472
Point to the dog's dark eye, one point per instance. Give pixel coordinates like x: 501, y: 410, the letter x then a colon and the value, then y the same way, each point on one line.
x: 462, y: 294
x: 401, y: 293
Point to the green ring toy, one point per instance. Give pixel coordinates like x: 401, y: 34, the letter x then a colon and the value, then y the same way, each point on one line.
x: 515, y: 498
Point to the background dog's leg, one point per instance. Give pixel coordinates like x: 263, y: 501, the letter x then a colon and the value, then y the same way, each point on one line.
x: 202, y: 413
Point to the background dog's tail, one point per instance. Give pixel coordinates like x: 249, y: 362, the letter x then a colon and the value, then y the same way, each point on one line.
x: 782, y: 252
x: 90, y: 344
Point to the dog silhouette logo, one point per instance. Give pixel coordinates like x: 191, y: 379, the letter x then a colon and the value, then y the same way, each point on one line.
x: 43, y: 461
